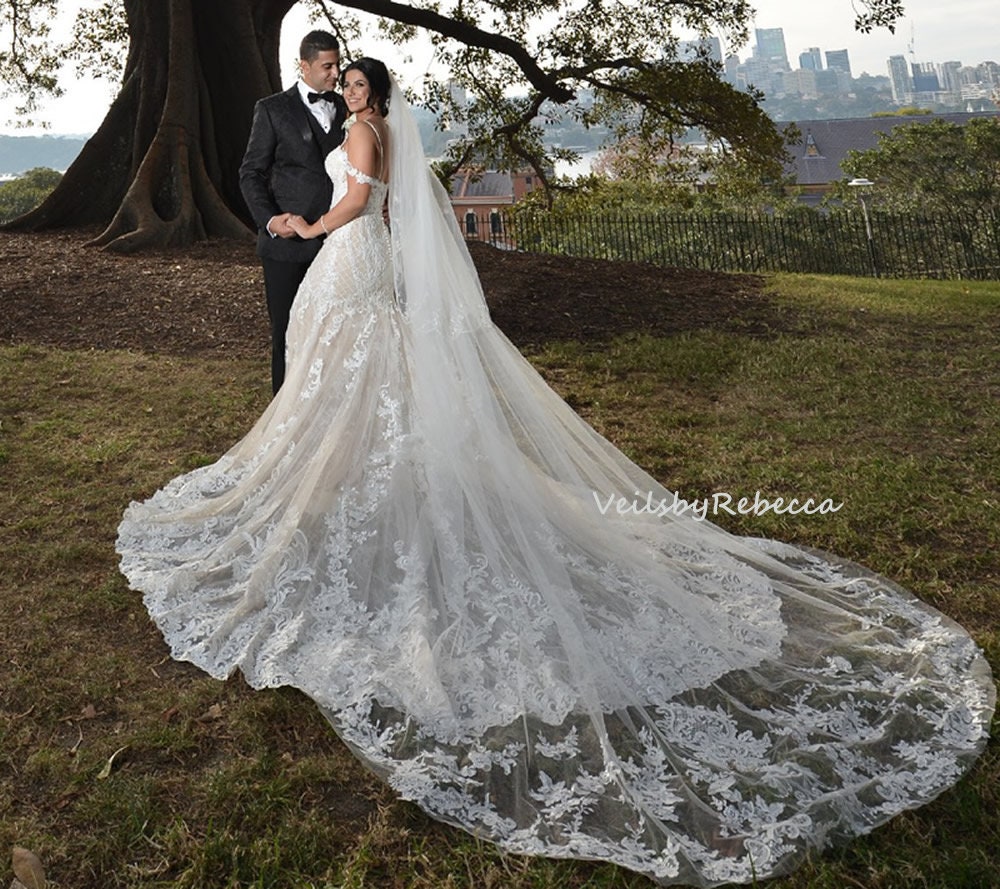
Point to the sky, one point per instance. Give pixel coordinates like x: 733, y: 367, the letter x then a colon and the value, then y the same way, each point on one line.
x: 966, y: 31
x: 962, y: 30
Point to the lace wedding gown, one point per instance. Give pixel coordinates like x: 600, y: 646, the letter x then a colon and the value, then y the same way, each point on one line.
x: 410, y: 535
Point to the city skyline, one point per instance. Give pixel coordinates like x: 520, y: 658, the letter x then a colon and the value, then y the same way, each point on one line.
x: 965, y: 31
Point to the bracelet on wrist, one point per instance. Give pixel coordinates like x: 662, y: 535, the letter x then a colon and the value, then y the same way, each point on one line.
x: 322, y: 223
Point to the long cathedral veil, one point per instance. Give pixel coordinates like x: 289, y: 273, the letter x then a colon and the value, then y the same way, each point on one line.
x: 643, y: 688
x: 514, y: 473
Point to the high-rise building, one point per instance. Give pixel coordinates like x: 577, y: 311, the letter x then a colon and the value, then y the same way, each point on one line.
x: 837, y: 59
x: 989, y: 72
x: 770, y: 48
x: 899, y: 77
x: 811, y: 59
x: 703, y: 48
x: 801, y: 82
x: 925, y: 79
x: 457, y: 93
x: 950, y: 76
x: 760, y: 73
x: 458, y: 128
x: 732, y: 66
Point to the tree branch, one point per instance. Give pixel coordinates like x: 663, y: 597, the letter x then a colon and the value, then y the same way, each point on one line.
x: 587, y: 73
x: 527, y: 117
x: 470, y: 35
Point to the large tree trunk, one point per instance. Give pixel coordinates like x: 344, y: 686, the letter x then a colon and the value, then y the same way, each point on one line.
x: 162, y: 168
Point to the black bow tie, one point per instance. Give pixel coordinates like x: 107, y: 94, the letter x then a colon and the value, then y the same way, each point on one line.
x: 328, y: 96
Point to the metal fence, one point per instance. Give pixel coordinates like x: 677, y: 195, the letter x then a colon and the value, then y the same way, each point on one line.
x: 890, y: 245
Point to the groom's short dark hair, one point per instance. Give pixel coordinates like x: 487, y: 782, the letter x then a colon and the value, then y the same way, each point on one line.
x: 316, y: 42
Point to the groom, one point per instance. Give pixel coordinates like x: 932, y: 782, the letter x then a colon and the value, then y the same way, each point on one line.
x: 282, y: 174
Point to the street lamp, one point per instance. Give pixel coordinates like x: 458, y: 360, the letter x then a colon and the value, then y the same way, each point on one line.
x: 860, y: 185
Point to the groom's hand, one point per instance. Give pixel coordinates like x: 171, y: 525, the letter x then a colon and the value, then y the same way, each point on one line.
x: 279, y: 227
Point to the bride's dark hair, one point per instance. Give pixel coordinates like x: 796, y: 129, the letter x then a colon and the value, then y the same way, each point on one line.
x: 377, y: 76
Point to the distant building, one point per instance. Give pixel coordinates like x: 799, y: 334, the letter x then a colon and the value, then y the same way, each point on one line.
x: 704, y: 48
x: 979, y: 86
x: 770, y: 48
x: 479, y: 191
x: 946, y: 86
x: 480, y: 197
x: 950, y: 76
x: 760, y: 73
x: 458, y: 129
x: 989, y: 72
x: 732, y: 66
x: 838, y: 60
x: 899, y: 77
x: 924, y: 77
x: 815, y: 164
x: 802, y: 83
x: 811, y: 59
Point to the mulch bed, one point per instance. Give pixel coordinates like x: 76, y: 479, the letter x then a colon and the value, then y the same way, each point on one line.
x: 208, y: 298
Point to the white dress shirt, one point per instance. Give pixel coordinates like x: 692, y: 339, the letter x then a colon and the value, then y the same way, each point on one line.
x: 322, y: 110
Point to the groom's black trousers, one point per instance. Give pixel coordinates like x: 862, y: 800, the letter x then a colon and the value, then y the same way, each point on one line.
x: 281, y: 282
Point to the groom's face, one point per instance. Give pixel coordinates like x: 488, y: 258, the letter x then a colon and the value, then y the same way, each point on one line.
x: 322, y: 72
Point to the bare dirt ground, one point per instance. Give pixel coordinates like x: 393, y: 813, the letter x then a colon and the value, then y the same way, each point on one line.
x: 208, y: 298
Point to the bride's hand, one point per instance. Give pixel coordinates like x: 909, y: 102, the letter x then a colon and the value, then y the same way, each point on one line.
x: 302, y: 228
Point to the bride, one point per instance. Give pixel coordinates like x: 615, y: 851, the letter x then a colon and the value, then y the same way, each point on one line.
x: 411, y: 534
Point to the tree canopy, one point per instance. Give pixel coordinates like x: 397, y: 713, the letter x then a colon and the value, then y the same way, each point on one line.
x: 165, y: 158
x: 932, y: 167
x: 28, y: 190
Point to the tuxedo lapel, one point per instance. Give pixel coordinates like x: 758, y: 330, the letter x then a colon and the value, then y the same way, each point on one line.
x: 298, y: 114
x: 309, y: 128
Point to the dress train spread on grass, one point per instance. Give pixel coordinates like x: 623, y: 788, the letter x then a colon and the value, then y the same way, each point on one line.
x: 411, y: 535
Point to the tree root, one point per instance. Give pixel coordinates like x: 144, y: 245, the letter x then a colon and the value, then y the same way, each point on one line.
x: 170, y: 201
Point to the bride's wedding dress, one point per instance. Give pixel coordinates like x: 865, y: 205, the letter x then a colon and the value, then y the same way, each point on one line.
x: 412, y: 534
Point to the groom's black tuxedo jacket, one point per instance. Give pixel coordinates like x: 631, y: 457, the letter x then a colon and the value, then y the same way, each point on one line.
x: 283, y: 172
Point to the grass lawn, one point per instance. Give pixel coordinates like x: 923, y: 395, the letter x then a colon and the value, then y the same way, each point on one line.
x: 121, y: 768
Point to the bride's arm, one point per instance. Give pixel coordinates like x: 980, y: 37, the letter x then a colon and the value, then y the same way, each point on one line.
x: 362, y: 152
